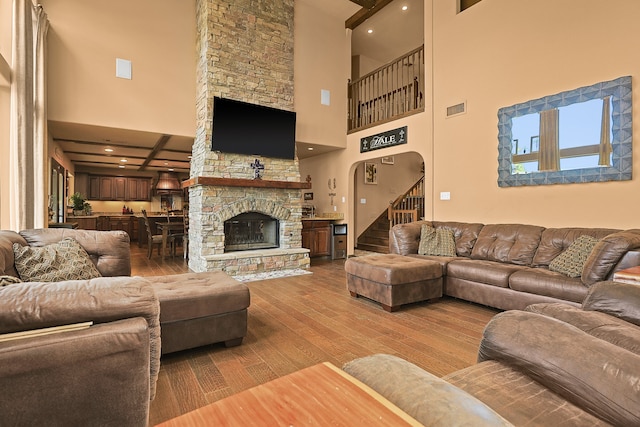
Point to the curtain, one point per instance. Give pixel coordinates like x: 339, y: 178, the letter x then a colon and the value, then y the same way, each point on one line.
x: 28, y: 120
x: 605, y: 133
x: 549, y: 156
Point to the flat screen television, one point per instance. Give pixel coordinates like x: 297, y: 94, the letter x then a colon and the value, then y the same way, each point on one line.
x: 256, y: 130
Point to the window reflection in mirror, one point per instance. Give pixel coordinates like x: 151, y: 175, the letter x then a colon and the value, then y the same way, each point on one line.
x: 582, y: 135
x: 580, y: 128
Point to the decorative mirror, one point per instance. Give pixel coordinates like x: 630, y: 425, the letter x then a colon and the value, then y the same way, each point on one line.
x: 582, y: 135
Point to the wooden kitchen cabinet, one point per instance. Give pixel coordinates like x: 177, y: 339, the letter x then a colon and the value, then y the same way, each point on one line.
x: 121, y: 223
x: 316, y: 236
x: 86, y: 223
x: 119, y: 188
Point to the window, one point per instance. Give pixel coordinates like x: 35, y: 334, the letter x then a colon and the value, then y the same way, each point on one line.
x: 585, y: 136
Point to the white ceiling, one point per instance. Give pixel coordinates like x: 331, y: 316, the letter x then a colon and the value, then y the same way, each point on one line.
x: 395, y: 33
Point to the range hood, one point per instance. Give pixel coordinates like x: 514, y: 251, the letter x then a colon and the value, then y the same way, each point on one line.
x: 168, y: 183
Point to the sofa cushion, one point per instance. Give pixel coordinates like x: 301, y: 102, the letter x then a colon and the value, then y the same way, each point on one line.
x: 554, y: 241
x: 617, y: 299
x: 600, y: 325
x: 9, y: 280
x: 7, y: 239
x: 65, y: 260
x: 465, y: 234
x: 508, y: 243
x: 518, y: 398
x: 488, y: 272
x: 437, y: 242
x: 606, y: 254
x: 571, y: 262
x: 540, y: 281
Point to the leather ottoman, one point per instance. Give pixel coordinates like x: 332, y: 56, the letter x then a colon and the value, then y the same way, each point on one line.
x: 201, y: 308
x: 393, y: 280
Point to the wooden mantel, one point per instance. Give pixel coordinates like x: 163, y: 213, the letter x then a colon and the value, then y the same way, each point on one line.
x: 238, y: 182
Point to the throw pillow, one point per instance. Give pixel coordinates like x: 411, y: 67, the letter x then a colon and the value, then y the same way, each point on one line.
x: 9, y: 280
x: 571, y: 261
x: 65, y: 260
x: 436, y: 241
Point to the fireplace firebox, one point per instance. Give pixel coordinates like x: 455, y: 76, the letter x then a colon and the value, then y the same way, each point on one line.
x: 250, y: 231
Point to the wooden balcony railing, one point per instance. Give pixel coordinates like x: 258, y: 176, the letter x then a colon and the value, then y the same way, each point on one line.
x: 390, y: 92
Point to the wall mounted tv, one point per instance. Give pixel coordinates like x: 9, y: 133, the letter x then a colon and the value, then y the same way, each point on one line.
x: 243, y: 128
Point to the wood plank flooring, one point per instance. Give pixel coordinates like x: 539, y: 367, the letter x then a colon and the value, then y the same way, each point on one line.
x: 299, y: 321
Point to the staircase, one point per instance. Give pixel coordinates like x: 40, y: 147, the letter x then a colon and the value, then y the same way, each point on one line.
x: 408, y: 207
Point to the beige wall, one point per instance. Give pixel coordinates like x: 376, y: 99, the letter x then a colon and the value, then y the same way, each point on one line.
x: 499, y: 53
x: 157, y: 36
x: 321, y: 61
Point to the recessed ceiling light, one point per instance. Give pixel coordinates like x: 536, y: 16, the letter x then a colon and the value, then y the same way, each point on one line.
x: 166, y: 163
x: 121, y: 166
x: 108, y: 150
x: 369, y: 31
x: 188, y: 157
x: 310, y: 148
x: 170, y: 169
x: 405, y: 7
x: 124, y: 160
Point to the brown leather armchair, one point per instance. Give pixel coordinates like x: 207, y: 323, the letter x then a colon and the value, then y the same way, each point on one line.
x: 102, y: 375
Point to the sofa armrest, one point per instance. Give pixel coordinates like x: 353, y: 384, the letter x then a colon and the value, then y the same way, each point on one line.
x: 425, y: 397
x: 109, y: 250
x: 596, y: 375
x: 617, y: 299
x: 96, y: 376
x: 35, y: 305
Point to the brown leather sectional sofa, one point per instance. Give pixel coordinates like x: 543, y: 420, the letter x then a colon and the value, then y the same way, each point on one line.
x: 506, y: 265
x: 103, y: 375
x: 554, y: 364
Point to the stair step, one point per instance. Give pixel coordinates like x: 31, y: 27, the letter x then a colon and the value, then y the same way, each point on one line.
x: 373, y: 241
x: 373, y: 248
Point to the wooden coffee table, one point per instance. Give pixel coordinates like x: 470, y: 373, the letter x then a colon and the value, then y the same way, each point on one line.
x: 321, y: 395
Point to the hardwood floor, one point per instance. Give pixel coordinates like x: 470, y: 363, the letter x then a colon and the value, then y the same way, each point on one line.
x: 299, y: 321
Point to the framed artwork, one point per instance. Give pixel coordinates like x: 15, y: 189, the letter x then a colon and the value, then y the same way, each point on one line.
x: 370, y: 173
x: 308, y: 196
x: 389, y: 160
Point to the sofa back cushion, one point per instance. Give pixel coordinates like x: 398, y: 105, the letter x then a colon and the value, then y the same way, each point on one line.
x: 511, y: 243
x: 606, y: 254
x: 109, y: 250
x: 404, y: 239
x: 617, y: 299
x: 7, y: 260
x: 554, y: 241
x: 465, y: 235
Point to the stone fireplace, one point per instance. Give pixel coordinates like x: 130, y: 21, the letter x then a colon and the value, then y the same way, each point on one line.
x: 245, y: 52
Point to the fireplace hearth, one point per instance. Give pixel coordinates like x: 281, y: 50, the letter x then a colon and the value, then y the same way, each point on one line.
x: 250, y: 231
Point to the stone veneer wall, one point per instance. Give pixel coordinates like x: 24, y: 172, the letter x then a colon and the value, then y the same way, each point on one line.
x: 245, y: 52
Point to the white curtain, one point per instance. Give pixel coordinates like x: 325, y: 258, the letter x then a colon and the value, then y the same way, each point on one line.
x: 28, y: 117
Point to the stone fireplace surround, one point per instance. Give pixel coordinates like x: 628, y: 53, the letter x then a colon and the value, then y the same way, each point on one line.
x: 245, y: 52
x: 225, y: 198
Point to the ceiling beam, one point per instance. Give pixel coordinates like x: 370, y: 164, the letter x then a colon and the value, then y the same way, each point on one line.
x: 159, y: 145
x: 363, y: 14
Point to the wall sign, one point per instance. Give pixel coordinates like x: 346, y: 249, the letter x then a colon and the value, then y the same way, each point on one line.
x: 384, y: 140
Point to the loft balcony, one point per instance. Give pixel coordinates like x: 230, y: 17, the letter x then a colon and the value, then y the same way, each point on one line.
x: 388, y: 93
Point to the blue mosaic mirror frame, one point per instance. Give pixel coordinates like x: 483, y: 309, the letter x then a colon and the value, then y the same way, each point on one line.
x: 621, y: 144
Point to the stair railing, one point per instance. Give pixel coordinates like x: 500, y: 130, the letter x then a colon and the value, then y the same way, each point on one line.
x: 409, y: 207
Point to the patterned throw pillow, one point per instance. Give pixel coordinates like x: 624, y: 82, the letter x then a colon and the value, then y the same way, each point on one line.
x: 436, y: 241
x: 8, y: 280
x: 571, y: 261
x: 65, y: 260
